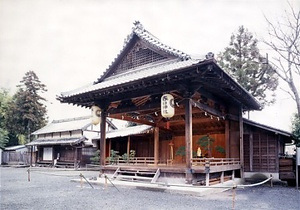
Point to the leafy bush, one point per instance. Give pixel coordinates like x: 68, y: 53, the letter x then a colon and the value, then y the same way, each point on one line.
x: 96, y: 158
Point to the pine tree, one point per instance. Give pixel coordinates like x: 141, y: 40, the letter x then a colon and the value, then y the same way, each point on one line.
x: 27, y: 112
x: 242, y: 60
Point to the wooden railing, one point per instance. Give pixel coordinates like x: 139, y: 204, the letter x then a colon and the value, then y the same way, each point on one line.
x: 130, y: 161
x: 214, y: 161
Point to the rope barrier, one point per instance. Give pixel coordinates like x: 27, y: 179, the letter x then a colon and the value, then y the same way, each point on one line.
x: 256, y: 184
x: 49, y: 173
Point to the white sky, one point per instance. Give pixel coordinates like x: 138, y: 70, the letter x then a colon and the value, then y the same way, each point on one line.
x: 69, y: 43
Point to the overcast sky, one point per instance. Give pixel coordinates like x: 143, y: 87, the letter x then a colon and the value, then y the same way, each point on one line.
x: 69, y: 43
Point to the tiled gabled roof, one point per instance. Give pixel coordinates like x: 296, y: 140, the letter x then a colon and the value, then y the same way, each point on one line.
x: 138, y: 74
x: 146, y: 37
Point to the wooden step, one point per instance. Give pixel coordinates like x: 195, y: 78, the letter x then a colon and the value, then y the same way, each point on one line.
x: 136, y: 172
x: 134, y: 177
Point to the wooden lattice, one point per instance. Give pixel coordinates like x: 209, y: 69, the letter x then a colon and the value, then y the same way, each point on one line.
x: 138, y: 56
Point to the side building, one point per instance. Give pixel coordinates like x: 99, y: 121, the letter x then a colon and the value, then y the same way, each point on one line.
x: 66, y: 143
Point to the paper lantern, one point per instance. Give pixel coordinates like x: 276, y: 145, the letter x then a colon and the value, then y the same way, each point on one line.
x: 167, y: 106
x: 96, y: 114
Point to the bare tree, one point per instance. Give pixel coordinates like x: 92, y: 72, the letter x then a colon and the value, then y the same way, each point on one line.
x: 285, y: 42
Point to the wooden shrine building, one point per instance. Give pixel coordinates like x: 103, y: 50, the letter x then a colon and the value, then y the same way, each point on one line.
x: 208, y: 102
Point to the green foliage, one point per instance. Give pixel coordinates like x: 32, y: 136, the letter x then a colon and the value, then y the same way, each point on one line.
x: 3, y: 137
x: 206, y: 143
x: 220, y: 149
x: 96, y: 158
x: 296, y: 129
x: 113, y: 158
x: 242, y: 60
x: 125, y: 156
x: 4, y: 106
x: 181, y: 152
x: 26, y: 112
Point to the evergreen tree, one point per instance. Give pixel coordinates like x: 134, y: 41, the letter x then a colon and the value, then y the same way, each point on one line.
x: 242, y: 60
x: 27, y: 113
x: 296, y: 129
x: 4, y: 103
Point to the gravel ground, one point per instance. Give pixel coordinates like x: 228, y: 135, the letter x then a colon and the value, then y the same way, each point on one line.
x: 52, y: 189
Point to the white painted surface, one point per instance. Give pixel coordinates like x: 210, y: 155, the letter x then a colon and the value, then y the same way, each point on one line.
x: 47, y: 154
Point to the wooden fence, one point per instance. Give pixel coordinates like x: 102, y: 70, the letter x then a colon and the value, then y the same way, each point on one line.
x: 130, y: 161
x: 214, y: 161
x: 15, y: 158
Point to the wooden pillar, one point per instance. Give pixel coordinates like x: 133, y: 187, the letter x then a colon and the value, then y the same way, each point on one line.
x: 103, y: 138
x: 222, y: 177
x: 156, y: 145
x: 227, y: 138
x: 75, y: 158
x: 251, y: 150
x: 31, y: 151
x: 53, y: 156
x: 188, y: 140
x: 128, y: 146
x: 241, y: 142
x: 109, y: 147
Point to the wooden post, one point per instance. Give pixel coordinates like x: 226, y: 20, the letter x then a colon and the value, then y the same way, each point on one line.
x: 222, y: 177
x: 128, y: 146
x: 207, y: 179
x: 156, y: 145
x: 75, y: 158
x: 31, y: 151
x: 103, y: 138
x: 109, y: 147
x: 241, y: 142
x: 28, y: 171
x: 227, y: 138
x: 251, y: 151
x: 207, y: 170
x: 188, y: 140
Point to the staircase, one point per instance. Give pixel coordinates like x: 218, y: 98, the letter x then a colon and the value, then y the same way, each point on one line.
x: 138, y: 175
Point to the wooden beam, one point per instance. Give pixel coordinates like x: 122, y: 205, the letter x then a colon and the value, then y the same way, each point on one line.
x: 197, y: 120
x: 135, y: 108
x: 208, y: 109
